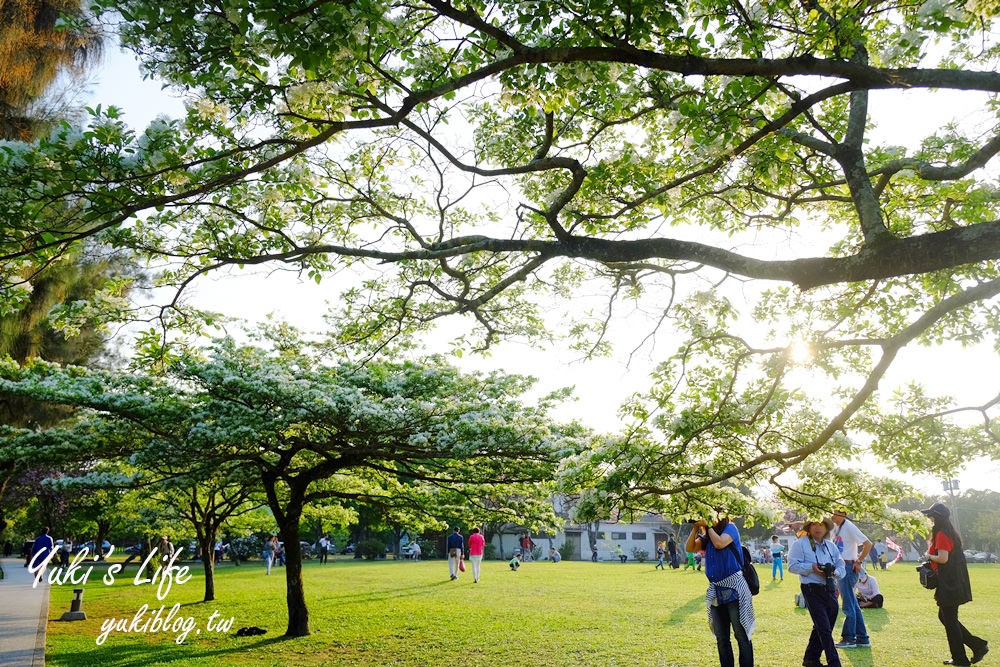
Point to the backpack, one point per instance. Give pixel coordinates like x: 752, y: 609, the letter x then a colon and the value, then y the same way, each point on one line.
x: 746, y: 565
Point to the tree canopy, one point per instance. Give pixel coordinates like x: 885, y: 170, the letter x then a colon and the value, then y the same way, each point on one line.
x: 413, y: 438
x: 485, y: 156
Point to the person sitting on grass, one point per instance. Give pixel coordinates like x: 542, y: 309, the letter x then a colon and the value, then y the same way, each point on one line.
x: 515, y: 562
x: 868, y: 593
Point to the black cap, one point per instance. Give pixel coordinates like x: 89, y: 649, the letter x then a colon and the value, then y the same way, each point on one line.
x: 937, y: 510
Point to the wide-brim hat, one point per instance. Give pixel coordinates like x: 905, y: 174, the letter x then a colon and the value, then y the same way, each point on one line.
x: 826, y: 521
x: 937, y: 510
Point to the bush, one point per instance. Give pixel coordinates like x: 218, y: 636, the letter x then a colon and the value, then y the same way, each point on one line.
x: 428, y: 549
x: 371, y: 549
x: 640, y: 555
x: 490, y: 552
x: 242, y: 548
x: 566, y: 549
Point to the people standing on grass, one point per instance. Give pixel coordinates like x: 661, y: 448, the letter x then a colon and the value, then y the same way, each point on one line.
x: 954, y: 589
x: 819, y: 564
x: 65, y: 551
x: 527, y: 548
x: 477, y: 544
x: 165, y: 551
x: 728, y: 599
x: 455, y: 546
x: 324, y: 548
x: 854, y: 634
x: 874, y: 553
x: 660, y: 549
x: 777, y: 564
x: 269, y: 552
x: 672, y: 551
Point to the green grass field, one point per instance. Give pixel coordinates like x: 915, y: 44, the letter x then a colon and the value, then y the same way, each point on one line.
x: 371, y: 614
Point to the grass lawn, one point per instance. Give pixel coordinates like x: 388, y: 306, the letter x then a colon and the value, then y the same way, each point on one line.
x: 567, y: 614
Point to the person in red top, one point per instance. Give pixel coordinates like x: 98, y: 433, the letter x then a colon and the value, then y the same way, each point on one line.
x: 476, y: 546
x: 945, y: 555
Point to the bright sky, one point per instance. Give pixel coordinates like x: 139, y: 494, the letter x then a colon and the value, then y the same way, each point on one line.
x: 601, y: 385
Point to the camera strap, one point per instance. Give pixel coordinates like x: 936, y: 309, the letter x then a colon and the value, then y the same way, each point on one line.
x: 826, y: 546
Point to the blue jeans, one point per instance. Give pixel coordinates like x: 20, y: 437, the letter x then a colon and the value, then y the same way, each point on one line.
x: 854, y: 623
x: 777, y: 567
x: 725, y: 616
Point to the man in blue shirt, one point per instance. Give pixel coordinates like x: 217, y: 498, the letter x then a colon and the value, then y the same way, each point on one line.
x: 819, y: 564
x: 728, y: 598
x: 41, y: 549
x: 456, y: 545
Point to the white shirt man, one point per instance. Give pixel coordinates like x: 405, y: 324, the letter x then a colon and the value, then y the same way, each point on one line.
x: 854, y: 634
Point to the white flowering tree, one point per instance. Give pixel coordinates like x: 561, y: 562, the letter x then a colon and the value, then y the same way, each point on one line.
x: 399, y: 436
x: 715, y: 163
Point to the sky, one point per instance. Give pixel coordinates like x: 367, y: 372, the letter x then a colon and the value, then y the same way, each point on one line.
x: 602, y: 384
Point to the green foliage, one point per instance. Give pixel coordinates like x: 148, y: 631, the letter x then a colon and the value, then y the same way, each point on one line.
x: 371, y: 549
x: 491, y: 156
x: 640, y: 555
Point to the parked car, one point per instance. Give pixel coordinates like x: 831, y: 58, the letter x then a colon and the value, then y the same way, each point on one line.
x: 87, y: 545
x: 983, y: 557
x: 305, y: 547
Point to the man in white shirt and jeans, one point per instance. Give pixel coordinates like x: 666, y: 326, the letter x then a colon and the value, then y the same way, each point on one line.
x: 856, y: 547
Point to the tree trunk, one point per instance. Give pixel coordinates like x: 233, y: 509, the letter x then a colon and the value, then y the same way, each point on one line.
x: 295, y: 596
x: 207, y: 544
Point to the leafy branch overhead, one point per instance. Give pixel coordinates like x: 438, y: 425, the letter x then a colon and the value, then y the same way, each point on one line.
x: 387, y: 130
x: 477, y: 158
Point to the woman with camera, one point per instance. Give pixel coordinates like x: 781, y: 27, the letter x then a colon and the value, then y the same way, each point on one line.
x: 953, y: 589
x: 728, y: 597
x: 819, y: 565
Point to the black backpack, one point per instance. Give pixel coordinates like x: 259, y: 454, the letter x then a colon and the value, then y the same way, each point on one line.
x: 746, y: 565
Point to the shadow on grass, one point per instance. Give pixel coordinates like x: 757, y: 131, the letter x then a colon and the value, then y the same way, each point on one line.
x: 393, y: 594
x: 876, y: 619
x: 167, y: 653
x: 693, y: 606
x: 857, y: 657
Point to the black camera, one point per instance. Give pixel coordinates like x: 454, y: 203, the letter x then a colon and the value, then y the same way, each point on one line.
x: 693, y: 520
x: 829, y: 570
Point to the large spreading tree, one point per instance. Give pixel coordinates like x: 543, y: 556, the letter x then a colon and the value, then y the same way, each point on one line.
x: 398, y: 436
x: 490, y: 155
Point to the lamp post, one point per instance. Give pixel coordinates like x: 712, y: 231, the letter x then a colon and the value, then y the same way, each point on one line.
x: 951, y: 486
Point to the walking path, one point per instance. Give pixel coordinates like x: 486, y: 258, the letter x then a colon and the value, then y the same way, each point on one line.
x: 23, y: 613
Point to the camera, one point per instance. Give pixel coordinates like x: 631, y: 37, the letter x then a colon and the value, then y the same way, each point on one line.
x: 693, y: 520
x: 829, y: 570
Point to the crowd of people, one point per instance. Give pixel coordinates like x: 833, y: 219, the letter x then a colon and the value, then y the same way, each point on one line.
x: 828, y: 556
